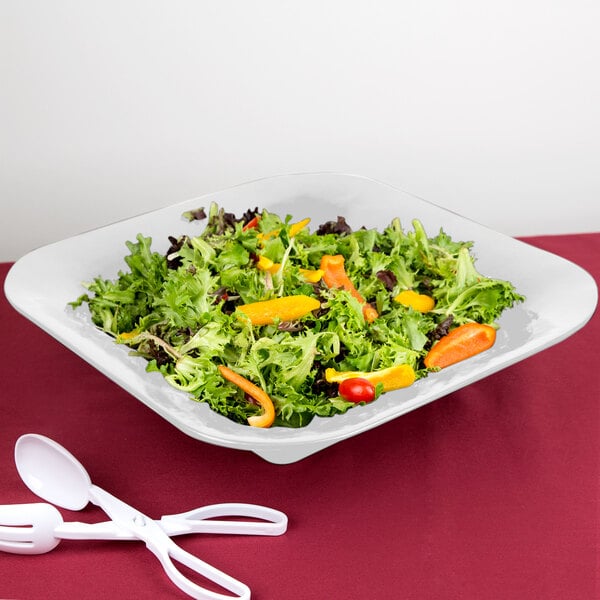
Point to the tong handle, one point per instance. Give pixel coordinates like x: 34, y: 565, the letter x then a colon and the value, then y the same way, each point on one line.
x: 165, y: 549
x: 199, y: 520
x: 161, y: 545
x: 202, y: 520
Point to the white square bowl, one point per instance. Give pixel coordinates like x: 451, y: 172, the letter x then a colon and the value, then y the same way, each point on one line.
x: 40, y: 285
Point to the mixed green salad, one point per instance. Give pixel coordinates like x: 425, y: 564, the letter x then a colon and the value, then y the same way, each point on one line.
x: 257, y: 309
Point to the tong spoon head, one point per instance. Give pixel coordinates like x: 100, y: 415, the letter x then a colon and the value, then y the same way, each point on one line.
x: 52, y: 472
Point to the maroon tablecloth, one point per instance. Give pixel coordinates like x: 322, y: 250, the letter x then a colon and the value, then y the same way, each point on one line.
x: 489, y: 493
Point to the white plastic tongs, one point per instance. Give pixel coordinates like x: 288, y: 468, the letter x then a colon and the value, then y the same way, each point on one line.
x: 55, y: 475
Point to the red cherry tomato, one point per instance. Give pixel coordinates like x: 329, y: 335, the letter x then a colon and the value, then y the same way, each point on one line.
x: 357, y: 389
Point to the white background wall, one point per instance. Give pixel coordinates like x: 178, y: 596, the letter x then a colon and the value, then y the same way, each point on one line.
x: 112, y: 108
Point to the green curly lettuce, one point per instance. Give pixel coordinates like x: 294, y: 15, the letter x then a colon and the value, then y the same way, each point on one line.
x: 178, y: 311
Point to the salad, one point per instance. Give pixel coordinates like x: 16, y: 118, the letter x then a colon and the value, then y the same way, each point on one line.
x: 272, y: 324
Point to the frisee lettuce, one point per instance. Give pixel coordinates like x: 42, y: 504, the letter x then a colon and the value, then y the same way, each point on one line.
x: 178, y: 311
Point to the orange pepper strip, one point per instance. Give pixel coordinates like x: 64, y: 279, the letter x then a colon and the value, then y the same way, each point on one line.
x: 266, y: 418
x: 335, y: 276
x: 463, y: 342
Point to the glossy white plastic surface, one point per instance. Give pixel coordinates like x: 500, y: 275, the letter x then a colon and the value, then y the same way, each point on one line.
x: 29, y: 528
x: 54, y: 474
x: 37, y: 528
x: 42, y: 283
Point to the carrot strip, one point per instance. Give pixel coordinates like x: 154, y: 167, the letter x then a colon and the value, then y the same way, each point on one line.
x: 461, y: 343
x: 267, y: 417
x: 335, y: 276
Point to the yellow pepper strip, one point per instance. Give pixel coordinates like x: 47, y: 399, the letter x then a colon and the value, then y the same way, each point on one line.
x: 312, y: 275
x: 392, y: 378
x: 287, y: 308
x: 295, y: 228
x: 419, y: 302
x: 266, y: 264
x: 309, y: 275
x: 127, y: 335
x: 266, y: 418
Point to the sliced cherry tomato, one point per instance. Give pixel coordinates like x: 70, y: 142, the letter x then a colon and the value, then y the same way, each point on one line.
x: 357, y: 389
